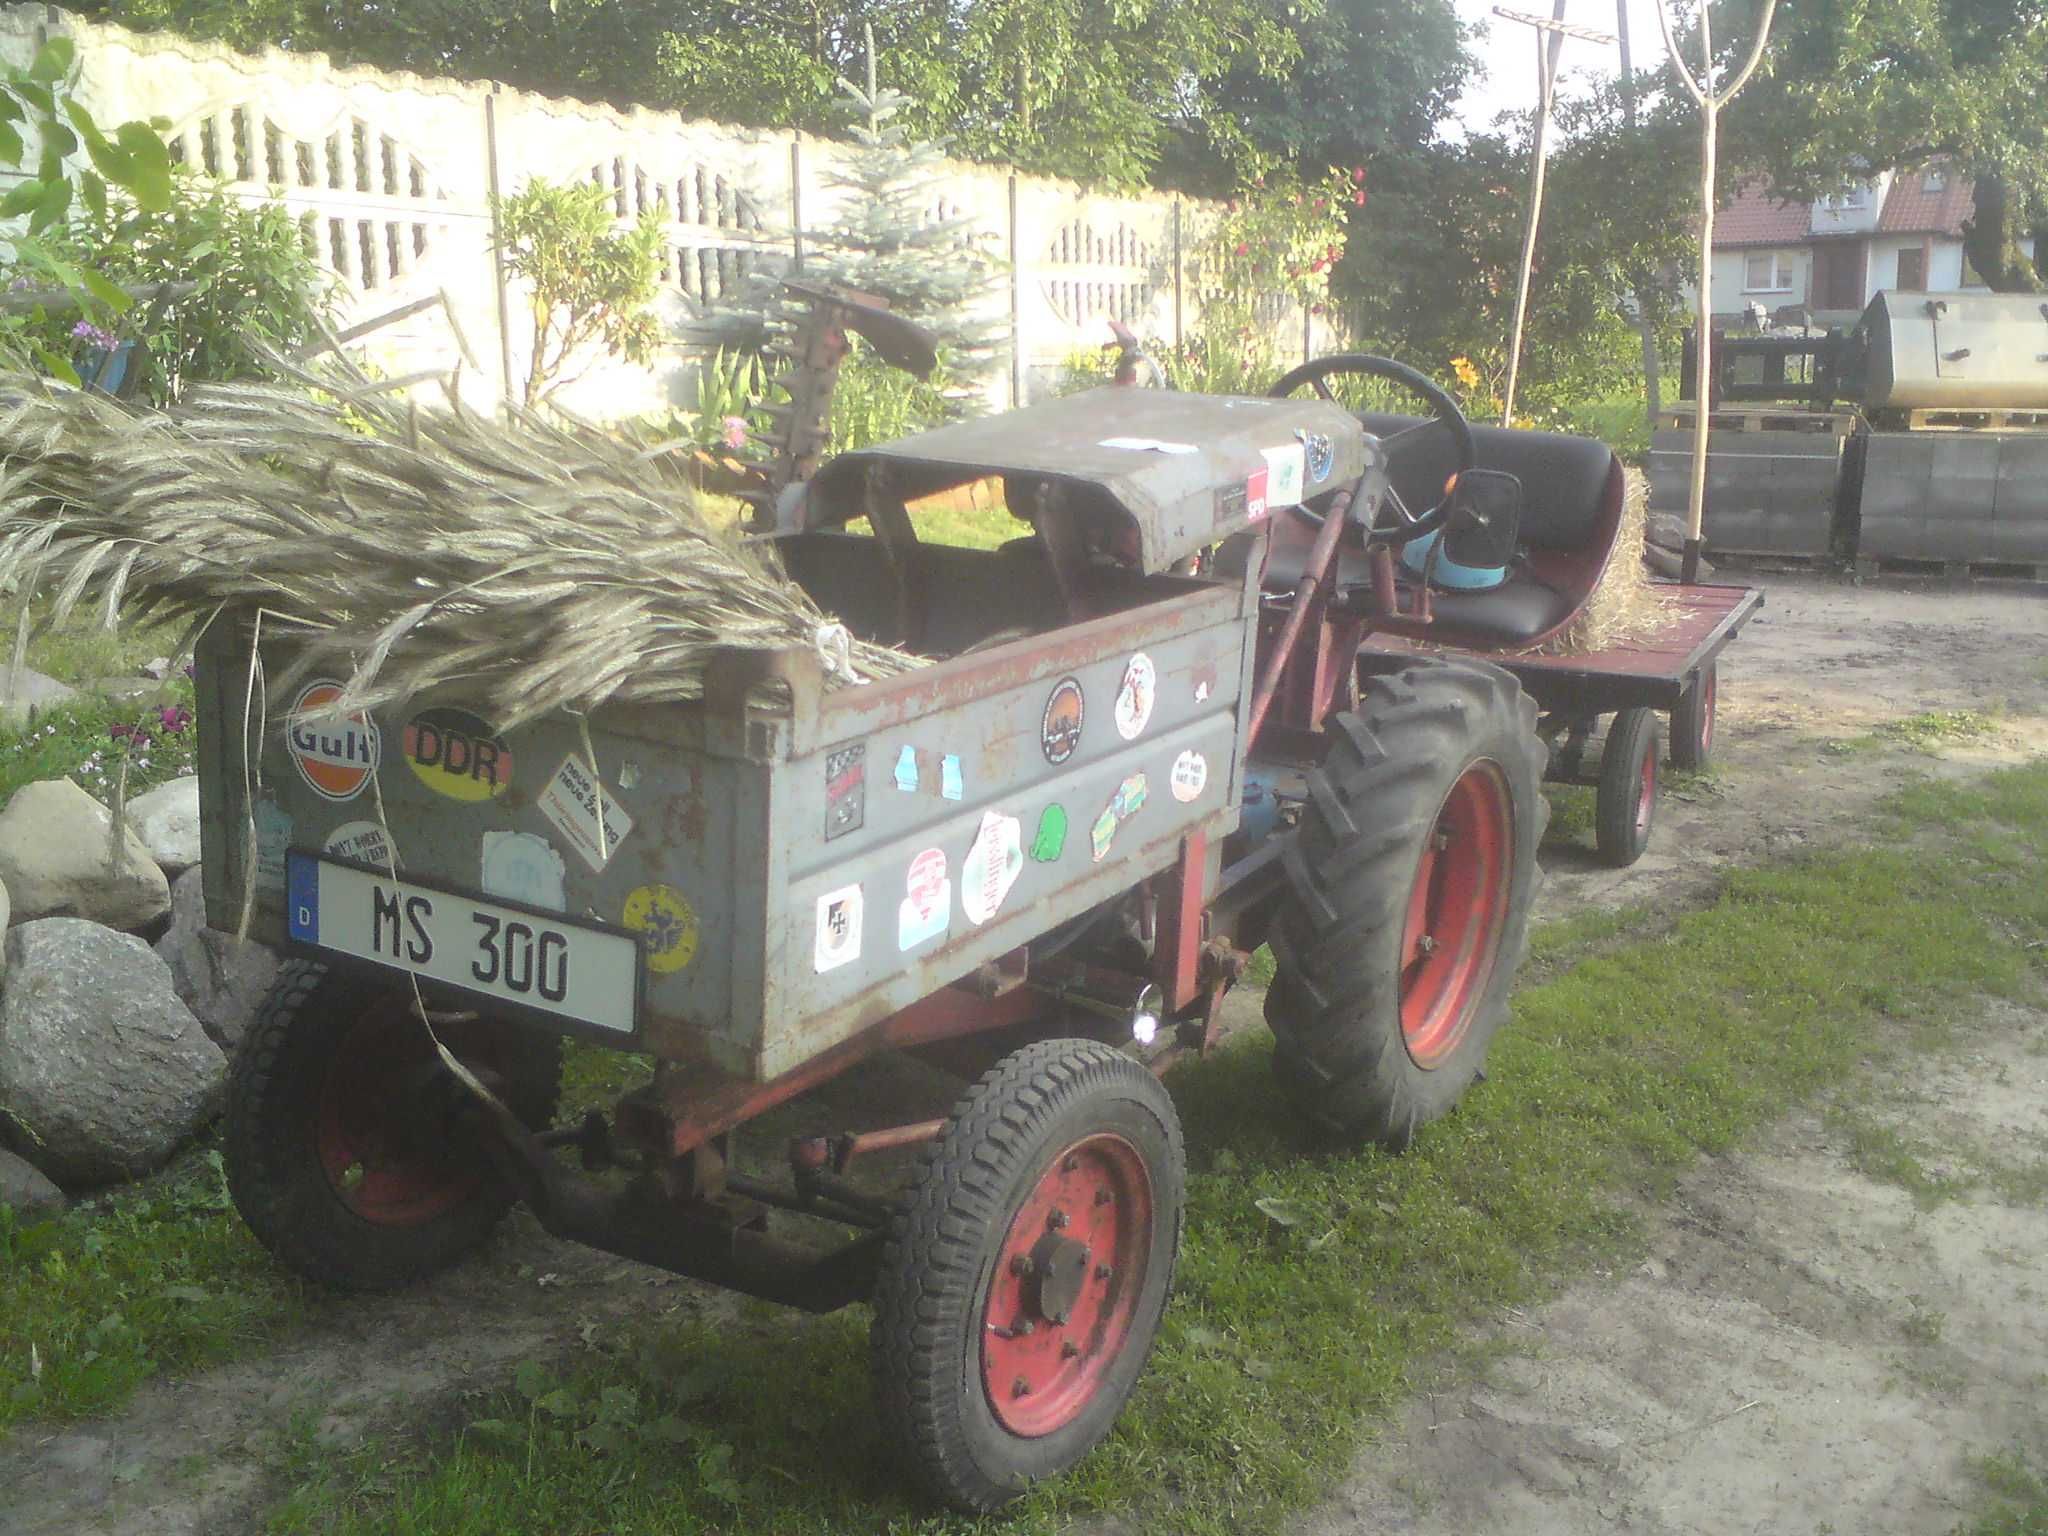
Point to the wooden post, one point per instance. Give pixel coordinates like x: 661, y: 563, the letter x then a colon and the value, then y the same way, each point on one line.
x: 497, y: 242
x: 1550, y: 37
x: 1711, y: 100
x: 1652, y: 383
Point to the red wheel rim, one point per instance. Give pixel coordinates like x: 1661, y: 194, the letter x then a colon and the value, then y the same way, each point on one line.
x: 388, y: 1159
x: 1646, y: 789
x: 1456, y: 910
x: 1066, y: 1285
x: 1709, y: 685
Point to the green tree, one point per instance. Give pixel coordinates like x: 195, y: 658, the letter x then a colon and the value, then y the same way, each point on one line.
x: 1850, y: 87
x: 590, y: 283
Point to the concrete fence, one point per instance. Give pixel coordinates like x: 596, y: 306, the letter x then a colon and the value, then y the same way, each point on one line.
x: 392, y: 178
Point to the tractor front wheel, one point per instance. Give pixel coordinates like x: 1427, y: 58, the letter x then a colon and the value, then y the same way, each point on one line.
x: 348, y: 1149
x: 1026, y: 1271
x: 1407, y: 910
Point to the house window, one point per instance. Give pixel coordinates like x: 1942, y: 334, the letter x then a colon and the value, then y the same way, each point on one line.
x: 1767, y: 272
x: 1913, y: 269
x: 1934, y: 181
x: 1848, y: 200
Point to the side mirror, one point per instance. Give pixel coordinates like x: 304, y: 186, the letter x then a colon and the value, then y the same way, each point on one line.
x: 1485, y: 520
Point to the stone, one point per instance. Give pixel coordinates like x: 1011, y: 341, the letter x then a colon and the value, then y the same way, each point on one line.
x: 99, y: 1061
x: 53, y: 860
x: 221, y: 978
x: 157, y: 668
x: 31, y: 692
x: 167, y: 821
x: 127, y: 690
x: 23, y: 1186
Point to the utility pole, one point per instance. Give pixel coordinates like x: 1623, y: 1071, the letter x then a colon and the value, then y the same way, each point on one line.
x: 1702, y: 90
x: 1652, y: 401
x: 1550, y: 35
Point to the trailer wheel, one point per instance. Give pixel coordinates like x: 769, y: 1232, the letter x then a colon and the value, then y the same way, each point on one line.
x: 346, y: 1146
x: 1692, y: 723
x: 1026, y: 1271
x: 1625, y: 806
x: 1409, y: 888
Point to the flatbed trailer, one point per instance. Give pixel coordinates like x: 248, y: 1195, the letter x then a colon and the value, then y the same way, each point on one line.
x: 1674, y: 673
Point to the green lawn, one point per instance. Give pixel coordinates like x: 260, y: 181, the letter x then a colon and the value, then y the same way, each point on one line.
x: 1639, y: 1043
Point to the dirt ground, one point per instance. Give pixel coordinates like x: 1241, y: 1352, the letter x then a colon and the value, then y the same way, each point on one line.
x: 1804, y: 1347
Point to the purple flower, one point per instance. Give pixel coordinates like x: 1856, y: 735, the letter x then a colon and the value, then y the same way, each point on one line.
x: 735, y: 431
x: 175, y: 717
x: 86, y: 331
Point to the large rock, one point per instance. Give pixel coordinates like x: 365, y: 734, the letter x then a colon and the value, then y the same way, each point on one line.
x: 222, y: 979
x: 53, y: 860
x: 167, y: 821
x: 29, y: 693
x: 98, y: 1058
x: 26, y: 1189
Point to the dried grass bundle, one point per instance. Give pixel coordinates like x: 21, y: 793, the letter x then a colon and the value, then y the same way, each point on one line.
x: 528, y: 566
x: 1626, y: 607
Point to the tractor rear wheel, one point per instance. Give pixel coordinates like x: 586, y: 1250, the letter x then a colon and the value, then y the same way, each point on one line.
x: 1625, y: 804
x: 1692, y: 723
x: 1026, y: 1271
x: 1407, y: 908
x: 349, y: 1150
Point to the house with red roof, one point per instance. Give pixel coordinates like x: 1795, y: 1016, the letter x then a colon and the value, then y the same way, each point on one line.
x: 1829, y: 257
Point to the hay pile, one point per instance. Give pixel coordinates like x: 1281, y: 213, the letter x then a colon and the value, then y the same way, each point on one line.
x: 530, y: 567
x: 1626, y: 607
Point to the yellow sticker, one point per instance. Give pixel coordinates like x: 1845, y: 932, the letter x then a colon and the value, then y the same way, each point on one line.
x: 666, y: 924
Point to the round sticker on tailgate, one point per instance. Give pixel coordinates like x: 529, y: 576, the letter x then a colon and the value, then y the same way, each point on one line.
x: 456, y: 754
x: 1059, y: 728
x: 666, y: 924
x: 336, y: 754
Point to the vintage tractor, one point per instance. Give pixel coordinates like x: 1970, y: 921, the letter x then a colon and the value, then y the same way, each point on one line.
x: 1142, y: 748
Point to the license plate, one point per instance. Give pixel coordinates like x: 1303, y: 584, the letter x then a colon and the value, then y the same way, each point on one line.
x: 544, y: 962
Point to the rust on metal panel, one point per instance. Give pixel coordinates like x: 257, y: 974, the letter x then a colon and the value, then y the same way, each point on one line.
x: 699, y: 1101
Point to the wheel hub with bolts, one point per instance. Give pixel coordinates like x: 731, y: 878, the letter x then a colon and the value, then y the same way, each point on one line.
x: 1060, y: 1302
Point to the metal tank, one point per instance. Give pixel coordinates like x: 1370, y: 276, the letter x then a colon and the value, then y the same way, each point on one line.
x: 1968, y: 351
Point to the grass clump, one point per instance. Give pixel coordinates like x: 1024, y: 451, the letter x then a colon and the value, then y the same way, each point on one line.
x: 159, y: 1277
x: 85, y: 738
x: 2015, y: 1497
x: 1635, y: 1050
x: 1936, y: 728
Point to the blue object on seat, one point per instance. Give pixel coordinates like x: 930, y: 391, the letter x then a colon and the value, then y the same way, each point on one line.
x: 1446, y: 572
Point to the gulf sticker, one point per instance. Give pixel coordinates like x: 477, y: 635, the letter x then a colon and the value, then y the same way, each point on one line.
x: 666, y: 923
x: 456, y: 754
x: 336, y: 754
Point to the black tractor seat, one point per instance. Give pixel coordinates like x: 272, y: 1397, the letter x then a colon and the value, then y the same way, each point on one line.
x: 1564, y: 488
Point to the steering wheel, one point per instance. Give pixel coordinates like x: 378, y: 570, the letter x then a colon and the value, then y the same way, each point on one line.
x: 1406, y: 526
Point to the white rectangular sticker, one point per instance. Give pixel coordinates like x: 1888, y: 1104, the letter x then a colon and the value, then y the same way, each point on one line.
x: 551, y: 964
x: 571, y: 802
x: 1285, y: 469
x: 839, y: 925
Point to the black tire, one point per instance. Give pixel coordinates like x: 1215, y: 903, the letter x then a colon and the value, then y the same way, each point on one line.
x: 1041, y: 1119
x: 347, y: 1149
x: 1625, y: 805
x: 1373, y: 1041
x: 1692, y: 723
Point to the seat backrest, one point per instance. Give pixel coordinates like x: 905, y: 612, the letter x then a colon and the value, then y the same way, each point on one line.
x: 1564, y: 479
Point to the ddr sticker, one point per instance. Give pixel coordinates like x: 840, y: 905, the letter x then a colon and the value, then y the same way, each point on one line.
x: 846, y: 790
x: 1190, y: 776
x: 1123, y: 805
x: 363, y: 841
x: 1315, y: 447
x: 1051, y: 840
x: 1059, y: 727
x: 521, y: 866
x: 336, y: 755
x: 584, y: 812
x: 1134, y: 696
x: 667, y: 926
x: 992, y: 866
x: 906, y: 770
x: 273, y: 838
x: 838, y: 939
x: 927, y: 906
x: 1284, y: 474
x: 456, y: 754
